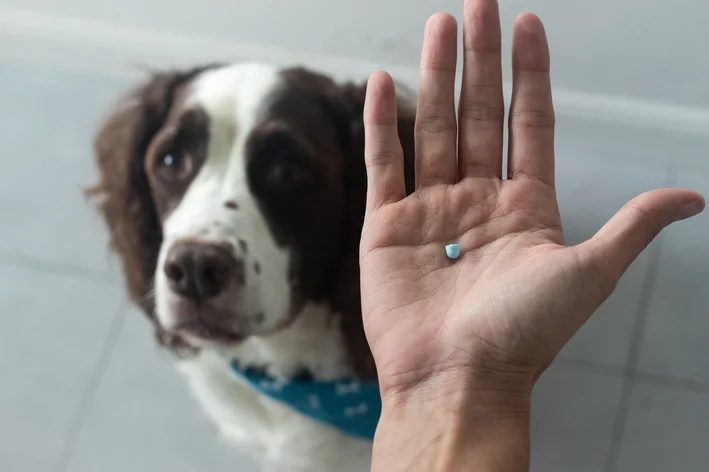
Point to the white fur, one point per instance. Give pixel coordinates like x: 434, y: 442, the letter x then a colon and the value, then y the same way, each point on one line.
x: 285, y: 440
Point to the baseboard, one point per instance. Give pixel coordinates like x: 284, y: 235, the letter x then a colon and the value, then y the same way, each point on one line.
x: 630, y: 127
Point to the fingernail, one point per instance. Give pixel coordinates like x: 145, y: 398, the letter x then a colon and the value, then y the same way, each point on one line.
x: 690, y: 209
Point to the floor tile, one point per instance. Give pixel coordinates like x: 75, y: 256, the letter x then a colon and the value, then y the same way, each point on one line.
x: 591, y: 191
x: 143, y: 404
x: 572, y: 420
x: 52, y: 330
x: 666, y: 431
x: 676, y: 336
x: 49, y: 117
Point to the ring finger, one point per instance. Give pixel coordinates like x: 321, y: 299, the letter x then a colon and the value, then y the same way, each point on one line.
x: 436, y: 127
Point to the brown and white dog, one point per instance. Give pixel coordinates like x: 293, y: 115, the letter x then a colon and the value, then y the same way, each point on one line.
x: 235, y: 198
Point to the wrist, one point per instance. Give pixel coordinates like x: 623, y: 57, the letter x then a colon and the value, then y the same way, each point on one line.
x: 458, y: 423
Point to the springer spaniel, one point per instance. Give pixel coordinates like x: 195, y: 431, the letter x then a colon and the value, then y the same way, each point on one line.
x: 235, y: 198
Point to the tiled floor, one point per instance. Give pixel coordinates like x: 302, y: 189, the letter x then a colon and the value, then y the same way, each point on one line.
x: 84, y: 389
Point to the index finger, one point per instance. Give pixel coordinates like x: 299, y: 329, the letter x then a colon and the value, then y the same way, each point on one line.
x: 383, y: 154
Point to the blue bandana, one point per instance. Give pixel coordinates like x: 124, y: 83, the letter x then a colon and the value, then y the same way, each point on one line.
x: 350, y: 405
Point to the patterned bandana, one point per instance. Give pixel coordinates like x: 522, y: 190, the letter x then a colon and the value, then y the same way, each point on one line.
x: 350, y: 405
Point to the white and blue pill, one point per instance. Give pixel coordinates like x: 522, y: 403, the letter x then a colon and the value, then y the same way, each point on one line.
x: 453, y: 251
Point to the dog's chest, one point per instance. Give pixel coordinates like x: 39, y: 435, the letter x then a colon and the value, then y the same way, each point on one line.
x: 312, y: 342
x: 284, y: 439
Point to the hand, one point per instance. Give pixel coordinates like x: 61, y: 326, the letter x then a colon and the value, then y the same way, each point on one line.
x: 504, y: 309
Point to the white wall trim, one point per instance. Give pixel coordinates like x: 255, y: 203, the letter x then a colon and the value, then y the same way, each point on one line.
x: 126, y: 51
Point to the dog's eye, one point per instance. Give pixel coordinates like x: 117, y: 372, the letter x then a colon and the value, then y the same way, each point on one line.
x: 174, y: 166
x: 288, y: 175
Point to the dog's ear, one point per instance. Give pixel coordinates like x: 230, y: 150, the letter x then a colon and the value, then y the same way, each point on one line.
x: 124, y: 194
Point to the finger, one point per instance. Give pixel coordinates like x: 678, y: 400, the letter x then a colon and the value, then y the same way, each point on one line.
x: 630, y: 231
x: 436, y: 127
x: 383, y: 155
x: 481, y: 109
x: 531, y: 146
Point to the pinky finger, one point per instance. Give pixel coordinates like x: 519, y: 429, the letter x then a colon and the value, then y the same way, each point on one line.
x: 382, y: 149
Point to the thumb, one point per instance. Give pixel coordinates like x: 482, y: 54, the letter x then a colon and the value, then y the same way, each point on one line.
x: 634, y: 227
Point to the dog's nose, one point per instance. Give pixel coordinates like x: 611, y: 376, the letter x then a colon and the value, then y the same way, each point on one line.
x: 200, y: 271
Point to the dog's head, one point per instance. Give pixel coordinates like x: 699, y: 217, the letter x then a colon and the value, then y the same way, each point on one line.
x: 235, y: 195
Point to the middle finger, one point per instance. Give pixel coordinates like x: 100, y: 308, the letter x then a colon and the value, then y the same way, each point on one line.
x: 482, y: 107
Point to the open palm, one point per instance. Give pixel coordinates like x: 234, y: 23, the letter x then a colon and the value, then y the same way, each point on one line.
x: 517, y: 294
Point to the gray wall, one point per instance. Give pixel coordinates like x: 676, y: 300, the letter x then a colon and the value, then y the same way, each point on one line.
x: 643, y: 49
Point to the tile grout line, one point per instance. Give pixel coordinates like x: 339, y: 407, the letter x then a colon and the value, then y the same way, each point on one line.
x: 640, y: 376
x: 677, y: 383
x: 91, y: 389
x: 630, y: 371
x: 56, y: 268
x: 578, y: 364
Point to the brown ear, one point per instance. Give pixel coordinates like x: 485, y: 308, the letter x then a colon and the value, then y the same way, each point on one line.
x: 126, y: 203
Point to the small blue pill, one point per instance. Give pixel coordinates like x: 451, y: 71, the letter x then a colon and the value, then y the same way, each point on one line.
x: 453, y: 251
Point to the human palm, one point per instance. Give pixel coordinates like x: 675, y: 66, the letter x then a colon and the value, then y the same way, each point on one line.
x: 516, y: 294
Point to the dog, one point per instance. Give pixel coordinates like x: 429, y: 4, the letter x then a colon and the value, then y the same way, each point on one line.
x: 235, y: 196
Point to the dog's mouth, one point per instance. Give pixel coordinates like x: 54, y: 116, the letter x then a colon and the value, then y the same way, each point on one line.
x: 202, y: 323
x: 201, y: 332
x: 222, y: 325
